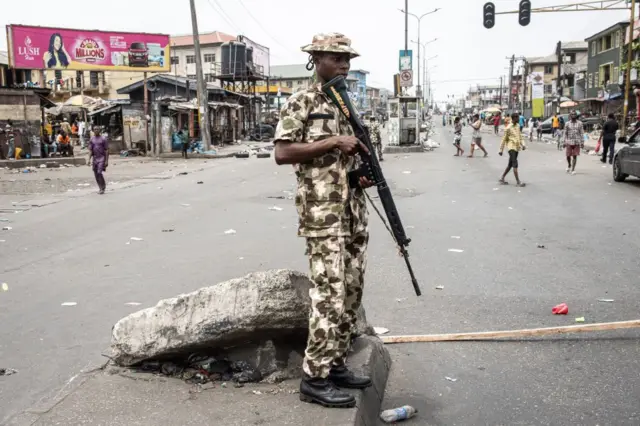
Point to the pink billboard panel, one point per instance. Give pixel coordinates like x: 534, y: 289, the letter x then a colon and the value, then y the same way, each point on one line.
x: 81, y: 50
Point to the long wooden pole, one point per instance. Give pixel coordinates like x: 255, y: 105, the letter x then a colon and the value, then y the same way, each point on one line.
x: 529, y: 332
x: 627, y: 78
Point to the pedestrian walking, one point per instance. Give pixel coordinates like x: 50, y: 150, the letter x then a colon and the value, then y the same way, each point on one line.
x: 514, y: 143
x: 608, y: 136
x: 573, y: 141
x: 457, y: 137
x: 532, y: 126
x: 9, y: 132
x: 376, y: 138
x: 99, y: 153
x: 320, y: 144
x: 182, y: 137
x: 496, y: 123
x: 521, y: 121
x: 476, y: 137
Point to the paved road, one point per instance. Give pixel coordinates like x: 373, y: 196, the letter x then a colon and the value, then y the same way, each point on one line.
x: 77, y: 251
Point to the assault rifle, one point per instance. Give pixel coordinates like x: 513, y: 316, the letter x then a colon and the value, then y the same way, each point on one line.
x: 336, y: 89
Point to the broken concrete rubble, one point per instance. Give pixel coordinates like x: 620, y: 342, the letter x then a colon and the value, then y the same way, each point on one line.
x: 260, y: 319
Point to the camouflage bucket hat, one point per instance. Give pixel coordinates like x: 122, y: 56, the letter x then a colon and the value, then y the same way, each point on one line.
x: 332, y: 42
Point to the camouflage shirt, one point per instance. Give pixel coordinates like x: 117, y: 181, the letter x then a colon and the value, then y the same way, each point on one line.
x: 324, y: 201
x: 374, y: 131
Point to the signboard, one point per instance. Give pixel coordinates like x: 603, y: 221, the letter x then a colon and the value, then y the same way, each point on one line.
x: 537, y: 94
x: 58, y: 48
x: 261, y: 56
x: 406, y: 60
x: 406, y: 78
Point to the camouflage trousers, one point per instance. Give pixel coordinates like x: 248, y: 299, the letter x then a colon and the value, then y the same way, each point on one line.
x: 378, y: 147
x: 337, y: 267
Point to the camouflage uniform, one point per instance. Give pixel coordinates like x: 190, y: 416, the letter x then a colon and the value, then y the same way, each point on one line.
x: 376, y: 138
x: 333, y: 219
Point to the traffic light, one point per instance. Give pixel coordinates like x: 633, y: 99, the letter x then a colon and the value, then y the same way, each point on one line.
x: 524, y: 13
x: 489, y: 15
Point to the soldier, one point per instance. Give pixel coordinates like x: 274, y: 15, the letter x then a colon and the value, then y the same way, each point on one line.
x: 376, y: 138
x: 318, y: 141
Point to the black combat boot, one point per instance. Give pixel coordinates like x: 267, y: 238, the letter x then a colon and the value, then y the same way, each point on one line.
x: 324, y: 392
x: 343, y: 378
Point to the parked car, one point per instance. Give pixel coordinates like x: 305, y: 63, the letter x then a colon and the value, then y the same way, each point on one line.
x: 262, y: 132
x: 546, y: 124
x: 626, y: 161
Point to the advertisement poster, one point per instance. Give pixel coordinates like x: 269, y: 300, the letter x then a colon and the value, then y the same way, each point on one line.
x: 80, y: 50
x: 537, y: 94
x: 406, y: 60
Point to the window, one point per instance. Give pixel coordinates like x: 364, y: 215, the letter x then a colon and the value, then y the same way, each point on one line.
x: 548, y: 69
x: 79, y: 79
x: 58, y: 74
x: 175, y: 60
x: 191, y: 77
x: 300, y: 82
x: 548, y: 89
x: 606, y: 42
x: 594, y: 50
x: 93, y: 79
x: 209, y: 57
x: 616, y: 75
x: 616, y: 39
x: 606, y: 73
x: 289, y: 84
x: 191, y: 59
x: 209, y: 78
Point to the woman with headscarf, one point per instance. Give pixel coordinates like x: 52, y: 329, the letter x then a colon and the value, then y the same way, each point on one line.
x: 56, y: 56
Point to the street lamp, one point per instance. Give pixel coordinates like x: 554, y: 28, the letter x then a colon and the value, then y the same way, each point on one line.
x: 419, y: 18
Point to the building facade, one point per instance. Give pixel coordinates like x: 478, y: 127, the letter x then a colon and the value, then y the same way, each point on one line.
x: 183, y: 56
x: 604, y: 61
x: 359, y: 89
x: 295, y: 77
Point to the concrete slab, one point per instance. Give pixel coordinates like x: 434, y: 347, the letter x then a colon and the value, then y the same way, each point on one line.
x: 115, y: 397
x: 36, y: 162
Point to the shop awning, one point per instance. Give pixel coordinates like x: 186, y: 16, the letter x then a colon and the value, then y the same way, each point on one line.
x: 104, y: 110
x: 225, y: 104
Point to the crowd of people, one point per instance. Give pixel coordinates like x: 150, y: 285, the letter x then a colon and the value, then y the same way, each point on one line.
x: 570, y: 135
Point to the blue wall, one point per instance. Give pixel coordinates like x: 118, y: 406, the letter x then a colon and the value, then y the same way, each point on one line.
x: 363, y: 102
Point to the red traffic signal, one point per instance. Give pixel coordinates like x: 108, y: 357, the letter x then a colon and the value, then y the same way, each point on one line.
x: 489, y: 15
x: 524, y: 13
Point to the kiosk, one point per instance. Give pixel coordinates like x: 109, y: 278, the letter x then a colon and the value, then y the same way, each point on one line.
x: 404, y: 120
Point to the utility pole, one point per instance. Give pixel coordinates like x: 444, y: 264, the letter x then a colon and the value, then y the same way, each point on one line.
x: 500, y: 93
x: 202, y: 91
x: 511, y: 61
x: 525, y: 70
x: 627, y: 79
x: 558, y: 81
x: 406, y: 26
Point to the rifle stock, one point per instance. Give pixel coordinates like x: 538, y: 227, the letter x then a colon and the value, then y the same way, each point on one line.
x: 336, y: 89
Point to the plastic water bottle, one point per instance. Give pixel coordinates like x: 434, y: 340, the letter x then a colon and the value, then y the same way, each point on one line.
x: 398, y: 414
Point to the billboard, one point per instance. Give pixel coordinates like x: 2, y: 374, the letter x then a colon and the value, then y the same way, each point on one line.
x: 260, y: 55
x: 537, y: 94
x: 81, y: 50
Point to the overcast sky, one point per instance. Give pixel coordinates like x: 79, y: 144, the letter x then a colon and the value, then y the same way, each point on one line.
x: 467, y: 52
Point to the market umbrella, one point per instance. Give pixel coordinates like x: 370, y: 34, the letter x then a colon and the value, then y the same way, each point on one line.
x: 568, y: 104
x: 493, y: 109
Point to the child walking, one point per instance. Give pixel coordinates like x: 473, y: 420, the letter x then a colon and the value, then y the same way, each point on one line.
x: 457, y: 137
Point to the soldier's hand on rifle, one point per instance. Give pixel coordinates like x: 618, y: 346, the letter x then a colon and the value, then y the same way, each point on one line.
x: 365, y: 182
x: 350, y: 145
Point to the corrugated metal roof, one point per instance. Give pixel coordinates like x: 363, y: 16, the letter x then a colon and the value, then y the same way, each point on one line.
x: 215, y: 37
x: 290, y: 71
x: 575, y: 45
x: 4, y: 58
x: 549, y: 59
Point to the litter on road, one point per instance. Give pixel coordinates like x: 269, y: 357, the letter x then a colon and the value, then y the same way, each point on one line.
x: 230, y: 231
x: 136, y: 239
x: 580, y: 319
x: 398, y: 414
x: 540, y: 246
x: 167, y: 230
x: 380, y: 330
x: 455, y: 237
x: 7, y: 371
x: 440, y: 287
x: 69, y: 304
x: 276, y: 208
x: 133, y: 303
x: 561, y: 309
x: 606, y: 300
x: 407, y: 172
x: 7, y: 228
x: 185, y: 205
x: 451, y: 379
x: 456, y: 250
x: 5, y: 287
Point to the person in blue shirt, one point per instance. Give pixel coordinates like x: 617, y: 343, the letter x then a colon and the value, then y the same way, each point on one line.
x: 522, y: 122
